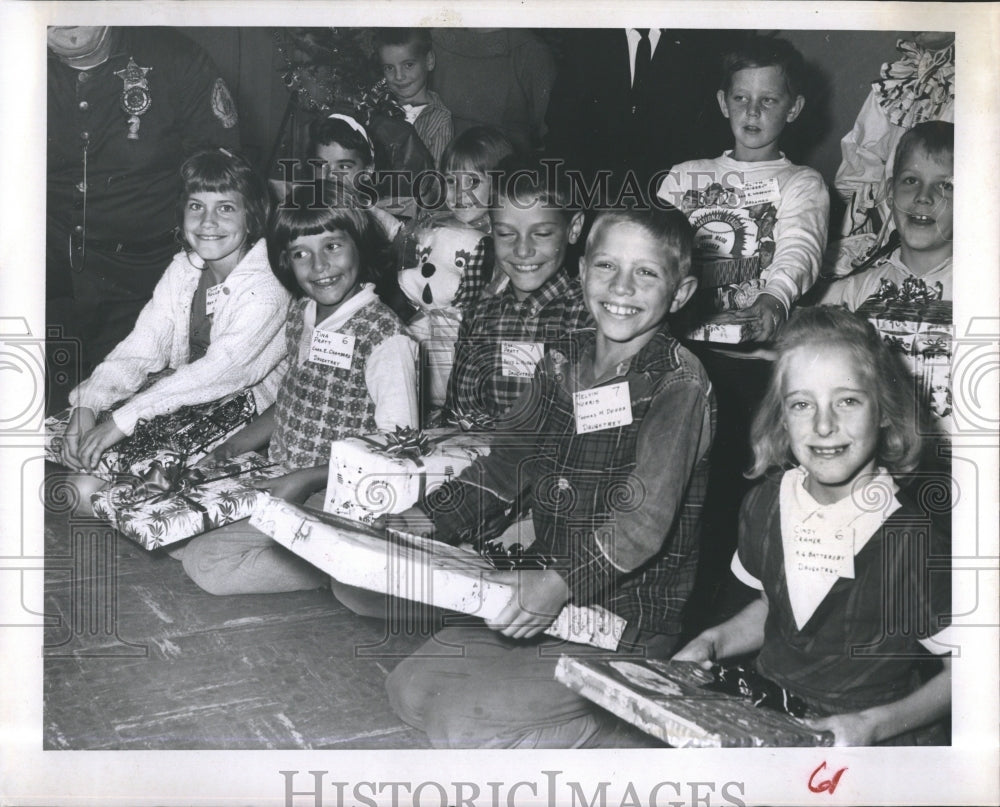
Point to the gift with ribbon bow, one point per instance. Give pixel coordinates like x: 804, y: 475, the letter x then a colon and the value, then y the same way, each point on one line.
x: 172, y: 501
x: 388, y: 473
x: 191, y: 432
x: 916, y: 323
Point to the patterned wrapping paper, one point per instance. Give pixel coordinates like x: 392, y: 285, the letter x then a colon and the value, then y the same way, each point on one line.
x: 388, y: 473
x: 415, y: 568
x: 921, y: 331
x: 729, y: 333
x: 191, y: 431
x: 668, y: 700
x: 155, y: 520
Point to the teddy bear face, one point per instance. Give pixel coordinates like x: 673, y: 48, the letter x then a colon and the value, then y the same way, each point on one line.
x: 442, y: 254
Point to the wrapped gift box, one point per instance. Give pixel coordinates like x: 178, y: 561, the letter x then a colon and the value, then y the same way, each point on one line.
x: 415, y: 568
x: 388, y: 473
x: 191, y: 431
x: 669, y: 700
x: 921, y: 331
x: 730, y: 333
x: 193, y: 504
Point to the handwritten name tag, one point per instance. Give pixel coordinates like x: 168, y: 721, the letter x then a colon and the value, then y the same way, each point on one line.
x: 827, y: 553
x: 518, y: 359
x: 332, y: 349
x: 602, y: 408
x: 760, y: 192
x: 212, y: 298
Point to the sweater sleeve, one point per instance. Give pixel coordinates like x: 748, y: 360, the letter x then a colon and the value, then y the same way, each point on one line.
x: 247, y: 342
x: 800, y: 237
x: 391, y: 378
x: 145, y: 350
x: 675, y: 435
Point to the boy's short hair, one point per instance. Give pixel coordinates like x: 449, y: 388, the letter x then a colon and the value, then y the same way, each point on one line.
x: 935, y: 137
x: 478, y: 148
x: 667, y: 226
x: 530, y: 181
x: 420, y: 38
x: 765, y: 51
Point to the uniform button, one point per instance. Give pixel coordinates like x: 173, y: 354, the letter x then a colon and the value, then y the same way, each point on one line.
x: 563, y: 484
x: 84, y: 106
x: 83, y: 77
x: 78, y: 228
x: 85, y: 135
x: 81, y: 186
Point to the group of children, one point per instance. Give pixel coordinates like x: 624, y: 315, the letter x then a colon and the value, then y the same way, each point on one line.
x: 599, y: 417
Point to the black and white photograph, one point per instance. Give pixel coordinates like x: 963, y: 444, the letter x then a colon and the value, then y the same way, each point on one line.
x: 499, y: 404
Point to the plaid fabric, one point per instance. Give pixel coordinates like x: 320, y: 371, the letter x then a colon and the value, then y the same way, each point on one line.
x: 620, y: 508
x: 859, y: 648
x: 317, y: 404
x: 478, y: 272
x: 478, y: 392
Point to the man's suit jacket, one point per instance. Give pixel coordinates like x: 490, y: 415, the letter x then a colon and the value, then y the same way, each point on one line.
x: 596, y: 120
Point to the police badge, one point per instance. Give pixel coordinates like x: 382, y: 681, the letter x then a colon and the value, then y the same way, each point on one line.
x: 135, y: 94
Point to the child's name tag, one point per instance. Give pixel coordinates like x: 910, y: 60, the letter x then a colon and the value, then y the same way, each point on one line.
x: 602, y: 408
x: 519, y: 359
x: 761, y: 192
x: 212, y: 298
x: 827, y: 553
x: 332, y: 349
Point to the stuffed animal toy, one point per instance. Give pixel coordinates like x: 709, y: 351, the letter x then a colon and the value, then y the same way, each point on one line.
x: 436, y: 256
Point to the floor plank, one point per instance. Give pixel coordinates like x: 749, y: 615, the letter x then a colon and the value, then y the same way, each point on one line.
x: 138, y: 657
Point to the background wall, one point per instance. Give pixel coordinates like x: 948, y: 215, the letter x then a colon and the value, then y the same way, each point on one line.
x: 844, y: 64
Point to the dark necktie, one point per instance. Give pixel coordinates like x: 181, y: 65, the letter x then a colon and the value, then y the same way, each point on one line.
x: 643, y: 56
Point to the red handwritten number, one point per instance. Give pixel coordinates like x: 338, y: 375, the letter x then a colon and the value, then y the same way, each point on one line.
x: 827, y: 784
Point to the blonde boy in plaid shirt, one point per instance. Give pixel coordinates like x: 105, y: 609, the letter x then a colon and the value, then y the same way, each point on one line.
x: 612, y: 442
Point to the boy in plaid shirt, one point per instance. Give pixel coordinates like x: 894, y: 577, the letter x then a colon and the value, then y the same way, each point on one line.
x: 612, y: 442
x: 504, y: 333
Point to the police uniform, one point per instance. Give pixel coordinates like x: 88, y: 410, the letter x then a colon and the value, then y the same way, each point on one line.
x: 117, y: 135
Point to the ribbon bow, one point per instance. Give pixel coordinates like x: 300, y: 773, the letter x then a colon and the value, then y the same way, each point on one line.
x: 918, y: 86
x: 914, y: 290
x: 408, y: 443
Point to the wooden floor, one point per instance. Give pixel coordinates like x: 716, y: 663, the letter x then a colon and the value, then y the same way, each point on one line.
x: 138, y: 657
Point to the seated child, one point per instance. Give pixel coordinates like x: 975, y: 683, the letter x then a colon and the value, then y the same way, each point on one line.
x: 617, y: 507
x: 919, y: 86
x: 444, y: 253
x: 215, y: 317
x: 920, y: 198
x: 760, y: 221
x: 836, y: 409
x: 760, y: 230
x: 504, y: 334
x: 326, y: 255
x: 407, y: 59
x: 345, y: 150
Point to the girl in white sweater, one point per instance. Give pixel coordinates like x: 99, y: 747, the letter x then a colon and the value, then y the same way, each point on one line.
x: 215, y: 319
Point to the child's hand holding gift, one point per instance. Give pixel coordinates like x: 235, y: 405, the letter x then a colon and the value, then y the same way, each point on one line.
x: 413, y: 521
x: 96, y: 441
x: 764, y: 316
x: 81, y: 421
x: 539, y: 596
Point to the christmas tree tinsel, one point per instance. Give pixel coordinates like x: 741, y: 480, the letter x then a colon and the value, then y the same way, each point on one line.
x: 332, y: 70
